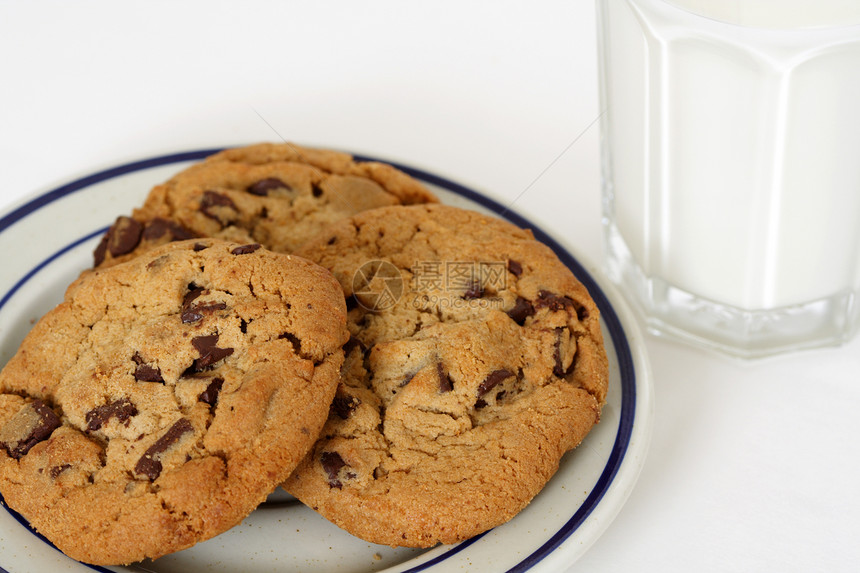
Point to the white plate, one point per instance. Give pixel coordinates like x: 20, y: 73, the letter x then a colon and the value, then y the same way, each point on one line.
x: 46, y: 241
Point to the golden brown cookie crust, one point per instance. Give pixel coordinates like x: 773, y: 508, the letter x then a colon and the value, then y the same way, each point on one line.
x: 457, y: 400
x: 166, y: 397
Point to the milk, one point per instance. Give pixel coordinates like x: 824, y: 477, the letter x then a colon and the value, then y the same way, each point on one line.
x: 732, y: 166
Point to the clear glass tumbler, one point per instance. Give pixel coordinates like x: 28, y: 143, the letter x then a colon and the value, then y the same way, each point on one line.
x: 731, y: 168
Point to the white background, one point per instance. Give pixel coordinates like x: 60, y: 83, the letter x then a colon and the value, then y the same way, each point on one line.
x: 752, y: 467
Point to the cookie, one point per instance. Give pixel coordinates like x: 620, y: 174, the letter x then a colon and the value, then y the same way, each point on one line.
x: 475, y: 361
x: 278, y: 195
x: 167, y: 396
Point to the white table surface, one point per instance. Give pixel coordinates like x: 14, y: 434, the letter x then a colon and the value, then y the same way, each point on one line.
x: 752, y: 466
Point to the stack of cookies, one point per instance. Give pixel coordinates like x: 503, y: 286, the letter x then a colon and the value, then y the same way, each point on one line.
x: 282, y: 316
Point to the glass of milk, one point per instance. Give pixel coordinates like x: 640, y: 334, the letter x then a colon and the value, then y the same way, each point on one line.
x: 731, y: 168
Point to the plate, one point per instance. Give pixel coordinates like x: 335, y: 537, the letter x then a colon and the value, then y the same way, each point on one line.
x: 48, y: 240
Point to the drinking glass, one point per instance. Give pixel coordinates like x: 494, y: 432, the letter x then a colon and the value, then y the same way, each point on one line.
x: 730, y: 144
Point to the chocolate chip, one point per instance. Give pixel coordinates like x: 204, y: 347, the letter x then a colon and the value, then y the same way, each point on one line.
x: 553, y: 301
x: 475, y: 290
x: 193, y: 312
x: 332, y: 463
x: 144, y: 372
x: 317, y: 191
x: 124, y: 236
x: 210, y: 394
x: 264, y: 186
x: 126, y: 233
x: 515, y: 268
x: 521, y: 311
x: 344, y: 405
x: 493, y: 380
x: 32, y: 424
x: 210, y: 203
x: 246, y: 249
x: 159, y: 227
x: 101, y: 250
x: 148, y: 465
x: 186, y: 314
x: 55, y: 471
x: 199, y: 247
x: 209, y: 352
x: 193, y: 292
x: 156, y: 229
x: 445, y: 382
x: 122, y: 409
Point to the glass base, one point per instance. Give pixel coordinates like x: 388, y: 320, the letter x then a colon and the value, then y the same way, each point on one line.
x: 672, y: 312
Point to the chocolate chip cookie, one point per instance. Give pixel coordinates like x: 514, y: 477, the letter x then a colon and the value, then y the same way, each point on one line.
x: 278, y: 195
x: 475, y: 362
x: 167, y: 396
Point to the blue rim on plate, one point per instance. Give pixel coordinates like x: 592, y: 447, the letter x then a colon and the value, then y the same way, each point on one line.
x: 608, y: 314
